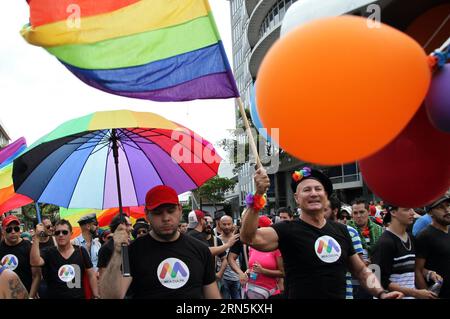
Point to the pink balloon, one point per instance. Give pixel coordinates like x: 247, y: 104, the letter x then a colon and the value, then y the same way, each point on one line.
x: 414, y: 169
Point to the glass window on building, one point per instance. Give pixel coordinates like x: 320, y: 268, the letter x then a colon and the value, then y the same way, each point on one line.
x: 350, y: 169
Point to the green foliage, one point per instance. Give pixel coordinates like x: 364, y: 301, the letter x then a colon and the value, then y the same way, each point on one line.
x: 214, y: 189
x: 47, y: 210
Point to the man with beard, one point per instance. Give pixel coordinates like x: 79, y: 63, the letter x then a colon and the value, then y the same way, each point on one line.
x: 165, y: 264
x: 433, y: 248
x: 232, y: 279
x: 88, y: 238
x: 203, y: 230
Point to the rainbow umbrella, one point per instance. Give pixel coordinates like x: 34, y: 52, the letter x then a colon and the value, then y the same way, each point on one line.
x: 111, y: 159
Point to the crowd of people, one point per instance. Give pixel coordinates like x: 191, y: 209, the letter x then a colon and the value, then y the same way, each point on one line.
x: 328, y: 250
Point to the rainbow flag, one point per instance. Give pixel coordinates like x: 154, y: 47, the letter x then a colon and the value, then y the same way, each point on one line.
x: 162, y: 50
x: 9, y: 199
x: 104, y: 217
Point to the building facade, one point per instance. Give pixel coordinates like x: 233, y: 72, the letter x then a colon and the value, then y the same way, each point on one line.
x: 4, y: 137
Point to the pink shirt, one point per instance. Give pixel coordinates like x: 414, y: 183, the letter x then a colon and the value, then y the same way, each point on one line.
x: 267, y: 260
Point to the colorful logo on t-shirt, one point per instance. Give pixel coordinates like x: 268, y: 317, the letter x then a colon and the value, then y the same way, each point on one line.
x: 10, y: 261
x: 173, y: 273
x: 327, y: 249
x: 66, y: 273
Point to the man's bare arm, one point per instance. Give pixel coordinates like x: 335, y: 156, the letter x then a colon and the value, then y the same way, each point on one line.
x: 112, y: 284
x: 16, y: 289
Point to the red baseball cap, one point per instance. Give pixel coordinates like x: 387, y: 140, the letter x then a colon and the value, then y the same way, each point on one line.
x: 9, y: 219
x: 160, y: 195
x: 264, y: 221
x: 194, y: 217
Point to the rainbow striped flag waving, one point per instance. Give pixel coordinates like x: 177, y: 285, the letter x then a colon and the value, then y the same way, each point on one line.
x: 162, y: 50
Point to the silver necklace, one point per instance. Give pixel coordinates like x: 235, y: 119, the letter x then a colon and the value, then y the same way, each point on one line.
x: 408, y: 240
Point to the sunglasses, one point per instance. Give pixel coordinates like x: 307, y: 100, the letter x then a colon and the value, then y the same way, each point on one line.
x: 11, y: 228
x: 49, y: 226
x: 345, y: 217
x: 142, y: 231
x: 64, y: 232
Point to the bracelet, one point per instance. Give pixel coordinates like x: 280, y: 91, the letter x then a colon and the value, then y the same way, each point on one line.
x: 257, y: 202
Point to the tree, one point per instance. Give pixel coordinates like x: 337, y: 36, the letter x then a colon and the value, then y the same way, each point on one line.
x: 214, y: 190
x: 47, y: 210
x: 238, y: 151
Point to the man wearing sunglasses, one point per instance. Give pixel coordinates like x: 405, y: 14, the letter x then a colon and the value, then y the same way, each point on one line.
x: 65, y: 265
x: 344, y: 215
x: 15, y: 255
x: 165, y: 264
x: 46, y: 238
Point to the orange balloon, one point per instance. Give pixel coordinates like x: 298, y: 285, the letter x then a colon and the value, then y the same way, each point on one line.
x: 339, y: 90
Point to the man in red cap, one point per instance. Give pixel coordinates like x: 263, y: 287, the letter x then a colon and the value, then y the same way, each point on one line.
x: 165, y: 264
x: 316, y: 252
x: 15, y: 254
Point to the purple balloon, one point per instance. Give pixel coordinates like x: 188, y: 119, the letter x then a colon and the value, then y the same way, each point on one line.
x: 438, y: 99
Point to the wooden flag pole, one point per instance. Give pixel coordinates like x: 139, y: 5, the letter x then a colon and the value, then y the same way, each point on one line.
x: 251, y: 141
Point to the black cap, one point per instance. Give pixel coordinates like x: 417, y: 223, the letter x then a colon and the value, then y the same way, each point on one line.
x: 140, y: 225
x: 308, y: 173
x: 442, y: 199
x: 218, y: 215
x: 91, y: 218
x: 388, y: 217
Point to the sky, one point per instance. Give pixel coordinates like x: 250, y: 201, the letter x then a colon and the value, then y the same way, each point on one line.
x: 37, y: 93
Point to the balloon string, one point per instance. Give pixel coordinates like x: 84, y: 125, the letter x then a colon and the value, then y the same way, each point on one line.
x: 436, y: 32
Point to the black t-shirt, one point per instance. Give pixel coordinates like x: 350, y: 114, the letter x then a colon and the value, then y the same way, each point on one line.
x: 43, y: 246
x: 238, y: 249
x: 46, y: 245
x: 65, y: 276
x: 105, y: 254
x: 433, y: 245
x: 196, y: 234
x: 396, y: 260
x: 315, y: 259
x: 17, y: 258
x: 172, y: 270
x: 203, y: 238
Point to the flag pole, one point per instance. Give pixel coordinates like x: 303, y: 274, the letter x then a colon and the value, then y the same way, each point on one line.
x: 38, y: 213
x: 251, y: 141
